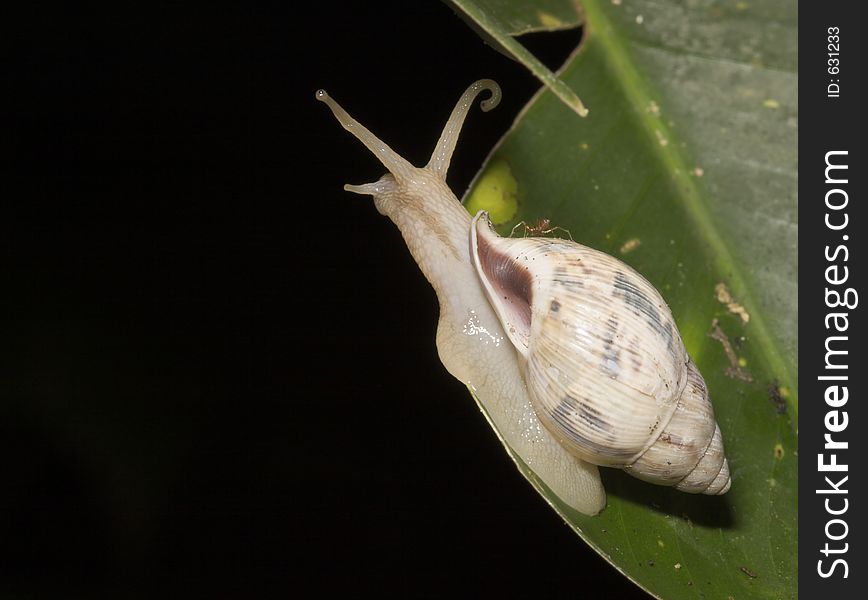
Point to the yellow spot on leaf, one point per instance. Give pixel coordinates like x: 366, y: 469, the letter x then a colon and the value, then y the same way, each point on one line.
x: 661, y: 138
x: 742, y: 6
x: 742, y: 361
x: 584, y: 145
x: 779, y: 451
x: 661, y: 544
x: 548, y: 20
x: 496, y: 191
x: 770, y: 103
x: 677, y: 566
x: 630, y: 245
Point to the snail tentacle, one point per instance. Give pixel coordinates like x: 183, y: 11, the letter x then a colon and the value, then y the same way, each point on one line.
x: 394, y: 162
x: 442, y: 154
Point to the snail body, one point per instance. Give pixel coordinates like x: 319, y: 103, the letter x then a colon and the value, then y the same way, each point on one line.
x: 574, y: 356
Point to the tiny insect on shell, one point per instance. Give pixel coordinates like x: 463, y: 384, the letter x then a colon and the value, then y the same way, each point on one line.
x: 574, y: 356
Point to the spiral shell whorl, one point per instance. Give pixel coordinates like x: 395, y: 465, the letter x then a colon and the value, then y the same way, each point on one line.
x: 689, y: 451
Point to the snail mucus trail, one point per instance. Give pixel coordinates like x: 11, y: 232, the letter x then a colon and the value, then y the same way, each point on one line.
x: 573, y: 355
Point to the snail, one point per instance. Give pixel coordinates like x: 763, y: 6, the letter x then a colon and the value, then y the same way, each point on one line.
x: 573, y: 355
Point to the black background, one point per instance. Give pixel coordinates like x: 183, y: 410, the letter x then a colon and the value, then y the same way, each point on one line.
x: 219, y: 374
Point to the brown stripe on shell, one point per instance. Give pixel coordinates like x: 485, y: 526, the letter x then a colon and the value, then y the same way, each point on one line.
x: 562, y: 277
x: 637, y: 300
x: 569, y: 413
x: 611, y: 363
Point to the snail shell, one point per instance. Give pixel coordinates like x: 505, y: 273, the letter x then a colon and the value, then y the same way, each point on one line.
x: 574, y: 356
x: 603, y: 361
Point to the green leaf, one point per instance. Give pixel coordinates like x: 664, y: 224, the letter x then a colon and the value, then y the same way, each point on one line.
x: 498, y: 20
x: 517, y: 18
x: 686, y: 169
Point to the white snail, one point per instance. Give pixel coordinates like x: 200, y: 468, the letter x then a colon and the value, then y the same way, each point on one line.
x: 574, y: 355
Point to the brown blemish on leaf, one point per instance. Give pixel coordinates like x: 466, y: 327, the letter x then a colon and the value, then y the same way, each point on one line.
x: 777, y: 397
x: 779, y: 451
x: 733, y: 370
x: 748, y: 572
x: 725, y: 298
